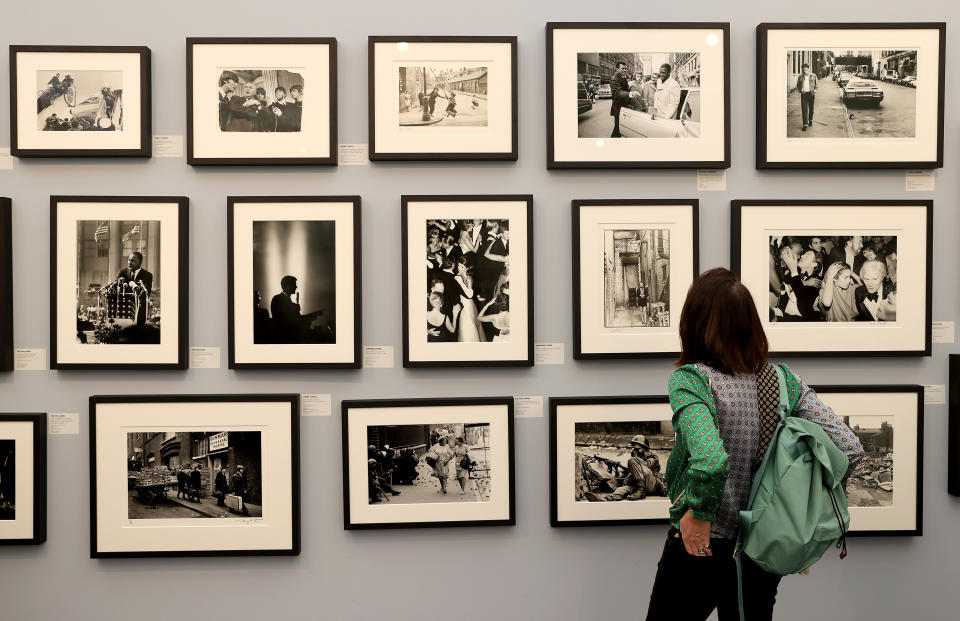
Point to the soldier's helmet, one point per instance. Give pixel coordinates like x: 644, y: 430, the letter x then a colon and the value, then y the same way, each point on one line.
x: 641, y: 440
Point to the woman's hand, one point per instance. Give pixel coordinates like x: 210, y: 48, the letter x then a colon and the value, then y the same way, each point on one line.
x: 696, y: 534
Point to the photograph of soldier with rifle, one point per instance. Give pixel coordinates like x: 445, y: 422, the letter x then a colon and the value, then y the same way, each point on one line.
x: 621, y: 460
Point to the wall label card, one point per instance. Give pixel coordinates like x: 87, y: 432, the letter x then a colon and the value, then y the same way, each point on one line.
x: 168, y: 146
x: 528, y: 407
x: 315, y: 404
x: 30, y: 359
x: 711, y: 180
x: 378, y: 357
x: 934, y: 394
x: 944, y: 332
x: 64, y: 423
x: 204, y: 357
x: 548, y: 353
x: 920, y: 180
x: 353, y: 155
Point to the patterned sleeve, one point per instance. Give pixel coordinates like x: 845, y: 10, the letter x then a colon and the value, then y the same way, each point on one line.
x: 811, y: 408
x: 707, y: 466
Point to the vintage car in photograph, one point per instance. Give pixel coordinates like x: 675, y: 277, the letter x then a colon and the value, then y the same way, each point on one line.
x: 584, y: 103
x: 867, y: 93
x: 909, y: 81
x: 843, y: 78
x: 604, y: 92
x: 685, y: 122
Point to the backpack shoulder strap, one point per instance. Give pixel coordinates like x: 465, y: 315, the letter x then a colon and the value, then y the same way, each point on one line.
x: 771, y: 396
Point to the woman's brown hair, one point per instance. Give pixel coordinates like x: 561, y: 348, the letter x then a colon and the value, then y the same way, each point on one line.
x: 719, y: 325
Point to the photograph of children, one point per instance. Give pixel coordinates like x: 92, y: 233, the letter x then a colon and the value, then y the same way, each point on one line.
x: 835, y: 278
x: 636, y: 273
x: 443, y: 94
x: 260, y: 100
x: 621, y: 460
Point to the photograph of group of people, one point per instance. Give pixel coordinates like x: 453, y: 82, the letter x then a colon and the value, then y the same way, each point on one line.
x: 79, y: 101
x: 833, y: 278
x: 260, y: 100
x: 468, y: 280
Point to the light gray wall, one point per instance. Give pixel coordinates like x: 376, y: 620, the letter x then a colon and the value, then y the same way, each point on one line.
x: 527, y: 572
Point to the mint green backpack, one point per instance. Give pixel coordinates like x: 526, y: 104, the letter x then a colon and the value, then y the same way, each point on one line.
x: 797, y: 507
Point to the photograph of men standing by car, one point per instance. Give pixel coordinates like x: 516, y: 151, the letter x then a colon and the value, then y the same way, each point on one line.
x: 638, y: 95
x: 833, y: 278
x: 851, y: 93
x: 79, y: 100
x: 621, y: 460
x: 260, y: 100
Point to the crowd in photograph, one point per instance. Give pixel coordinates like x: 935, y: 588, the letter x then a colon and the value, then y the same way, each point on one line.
x: 833, y: 278
x: 468, y: 280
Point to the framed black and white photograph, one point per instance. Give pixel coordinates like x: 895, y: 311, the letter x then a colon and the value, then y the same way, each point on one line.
x: 844, y: 277
x: 649, y: 95
x: 633, y: 261
x: 953, y: 432
x: 294, y: 281
x: 442, y: 98
x: 850, y: 95
x: 277, y: 101
x: 23, y: 479
x: 428, y: 462
x: 194, y: 475
x: 467, y: 280
x: 118, y: 282
x: 885, y: 490
x: 80, y: 101
x: 6, y: 285
x: 608, y: 458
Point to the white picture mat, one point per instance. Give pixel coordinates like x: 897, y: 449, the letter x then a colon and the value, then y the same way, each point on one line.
x: 568, y: 146
x: 245, y: 350
x: 117, y: 533
x: 568, y: 509
x: 909, y: 223
x: 594, y: 220
x: 311, y: 60
x: 921, y: 148
x: 902, y: 407
x: 497, y: 508
x: 21, y: 432
x: 418, y: 212
x: 30, y: 137
x: 496, y: 137
x: 69, y: 351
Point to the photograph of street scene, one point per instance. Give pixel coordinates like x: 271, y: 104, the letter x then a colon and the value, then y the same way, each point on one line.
x: 193, y: 474
x: 452, y: 94
x: 636, y: 278
x: 623, y: 460
x: 80, y: 101
x: 845, y: 93
x: 638, y: 95
x: 871, y: 484
x: 413, y: 464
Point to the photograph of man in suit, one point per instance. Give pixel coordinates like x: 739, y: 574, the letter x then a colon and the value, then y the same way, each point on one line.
x: 620, y: 95
x: 134, y: 279
x: 807, y: 87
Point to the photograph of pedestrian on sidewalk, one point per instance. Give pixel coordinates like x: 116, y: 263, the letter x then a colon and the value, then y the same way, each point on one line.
x: 442, y: 94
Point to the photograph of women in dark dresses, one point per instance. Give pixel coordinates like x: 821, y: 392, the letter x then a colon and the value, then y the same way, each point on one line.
x: 468, y: 280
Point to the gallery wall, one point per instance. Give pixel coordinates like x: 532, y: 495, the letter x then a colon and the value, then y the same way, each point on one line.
x: 529, y: 571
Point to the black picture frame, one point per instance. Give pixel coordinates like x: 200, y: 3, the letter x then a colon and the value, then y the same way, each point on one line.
x: 763, y: 29
x: 357, y: 279
x: 891, y: 388
x: 292, y: 399
x: 378, y: 155
x: 574, y: 401
x: 6, y: 285
x: 146, y: 114
x: 735, y: 247
x: 554, y: 164
x: 183, y: 280
x: 576, y: 206
x: 953, y: 430
x: 330, y: 160
x: 345, y: 407
x: 405, y: 199
x: 39, y: 421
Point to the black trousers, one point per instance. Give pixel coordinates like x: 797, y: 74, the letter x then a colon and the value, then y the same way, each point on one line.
x: 806, y: 107
x: 689, y: 588
x: 616, y: 126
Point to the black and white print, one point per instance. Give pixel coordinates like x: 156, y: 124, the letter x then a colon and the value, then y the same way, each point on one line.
x: 8, y: 479
x: 621, y: 460
x: 636, y: 277
x: 468, y: 280
x: 443, y: 94
x: 174, y: 474
x: 294, y: 281
x: 851, y: 93
x: 260, y: 100
x: 118, y: 282
x: 79, y: 100
x: 638, y: 94
x: 833, y: 278
x: 433, y: 463
x: 871, y: 482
